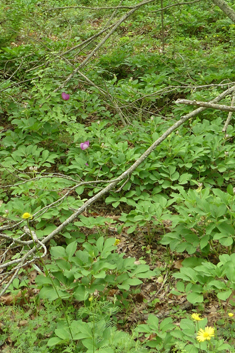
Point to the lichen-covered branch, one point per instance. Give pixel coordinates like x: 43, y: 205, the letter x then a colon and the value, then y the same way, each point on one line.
x: 225, y: 8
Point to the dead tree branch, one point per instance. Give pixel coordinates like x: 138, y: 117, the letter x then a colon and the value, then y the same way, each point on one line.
x: 229, y: 114
x: 225, y: 8
x: 207, y: 105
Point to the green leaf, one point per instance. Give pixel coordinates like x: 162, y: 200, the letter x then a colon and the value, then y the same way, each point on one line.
x: 175, y: 292
x: 62, y: 264
x: 180, y: 286
x: 188, y: 274
x: 224, y: 295
x: 149, y: 274
x: 185, y: 178
x: 192, y: 261
x: 153, y: 322
x: 102, y: 274
x: 190, y: 349
x: 111, y: 199
x: 45, y: 155
x: 229, y: 271
x: 226, y: 228
x: 230, y: 189
x: 58, y: 251
x: 133, y: 281
x: 224, y: 347
x: 54, y: 341
x: 178, y: 334
x: 81, y: 329
x: 217, y: 284
x: 108, y: 247
x: 42, y: 280
x: 144, y: 328
x: 129, y: 282
x: 100, y: 243
x: 204, y: 241
x: 106, y: 350
x: 71, y: 249
x: 187, y: 327
x: 79, y: 190
x: 63, y: 333
x: 166, y: 324
x: 139, y: 269
x: 48, y: 293
x: 195, y: 298
x: 16, y: 283
x: 226, y: 241
x: 131, y: 229
x: 80, y: 293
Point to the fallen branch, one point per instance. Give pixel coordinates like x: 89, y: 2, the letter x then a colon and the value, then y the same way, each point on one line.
x: 222, y: 4
x: 229, y: 114
x: 207, y: 105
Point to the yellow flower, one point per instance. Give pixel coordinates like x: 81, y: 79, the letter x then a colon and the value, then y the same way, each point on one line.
x: 196, y: 317
x: 91, y: 299
x: 117, y: 241
x: 230, y: 314
x: 27, y: 215
x: 205, y: 335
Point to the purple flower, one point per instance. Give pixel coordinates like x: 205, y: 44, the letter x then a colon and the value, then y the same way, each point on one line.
x: 84, y: 145
x: 87, y: 164
x: 65, y: 96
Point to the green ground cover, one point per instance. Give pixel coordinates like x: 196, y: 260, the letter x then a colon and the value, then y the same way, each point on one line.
x: 149, y: 266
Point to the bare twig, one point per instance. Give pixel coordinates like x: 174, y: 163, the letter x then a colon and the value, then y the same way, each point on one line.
x: 11, y: 226
x: 170, y: 89
x: 16, y: 240
x: 229, y: 114
x: 114, y: 7
x: 90, y: 8
x: 207, y: 105
x: 10, y: 281
x: 87, y: 40
x: 177, y: 4
x: 35, y: 239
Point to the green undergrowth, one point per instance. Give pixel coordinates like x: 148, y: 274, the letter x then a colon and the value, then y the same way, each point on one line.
x: 27, y: 328
x: 119, y: 103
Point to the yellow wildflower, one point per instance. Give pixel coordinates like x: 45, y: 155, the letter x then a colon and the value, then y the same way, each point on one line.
x: 205, y: 335
x: 196, y: 317
x: 230, y: 314
x: 27, y: 215
x: 117, y: 241
x: 91, y: 298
